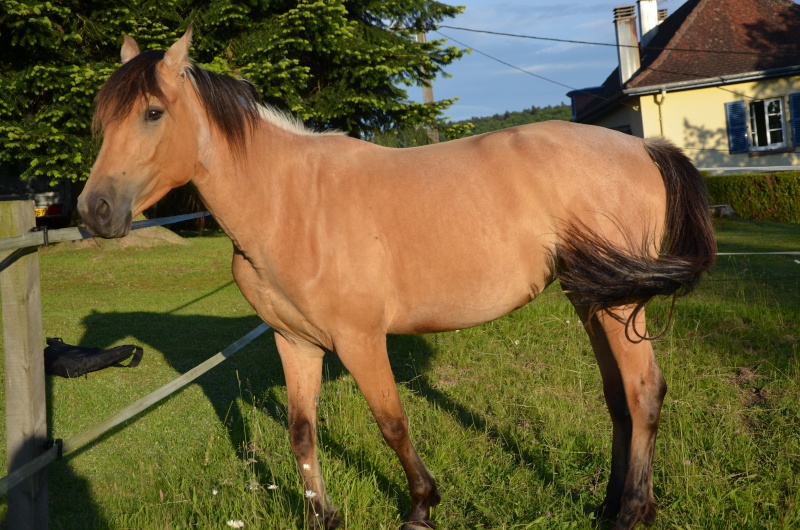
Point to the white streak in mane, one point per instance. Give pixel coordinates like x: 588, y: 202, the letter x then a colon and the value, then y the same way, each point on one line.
x: 290, y: 123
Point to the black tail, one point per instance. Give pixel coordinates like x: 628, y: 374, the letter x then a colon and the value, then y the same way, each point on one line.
x: 602, y: 275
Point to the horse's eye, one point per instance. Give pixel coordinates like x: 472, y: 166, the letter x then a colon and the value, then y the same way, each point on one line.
x: 154, y: 114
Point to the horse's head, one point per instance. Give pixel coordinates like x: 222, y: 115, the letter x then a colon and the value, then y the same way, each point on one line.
x: 152, y: 128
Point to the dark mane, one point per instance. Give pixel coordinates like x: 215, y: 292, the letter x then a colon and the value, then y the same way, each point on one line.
x: 233, y: 105
x: 133, y: 80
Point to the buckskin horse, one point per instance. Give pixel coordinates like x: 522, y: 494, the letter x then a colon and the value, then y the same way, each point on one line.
x: 338, y: 242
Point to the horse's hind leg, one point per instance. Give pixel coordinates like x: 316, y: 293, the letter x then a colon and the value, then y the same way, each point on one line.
x: 368, y: 363
x: 302, y: 367
x: 634, y: 390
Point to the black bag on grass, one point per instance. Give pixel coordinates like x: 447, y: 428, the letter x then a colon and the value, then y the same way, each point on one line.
x: 66, y: 360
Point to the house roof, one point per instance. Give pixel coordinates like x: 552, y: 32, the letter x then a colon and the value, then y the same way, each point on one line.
x: 706, y: 39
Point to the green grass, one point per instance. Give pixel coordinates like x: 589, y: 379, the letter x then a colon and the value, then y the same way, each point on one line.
x: 508, y: 416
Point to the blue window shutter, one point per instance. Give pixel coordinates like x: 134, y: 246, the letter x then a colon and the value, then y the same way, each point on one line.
x: 737, y: 127
x: 794, y: 108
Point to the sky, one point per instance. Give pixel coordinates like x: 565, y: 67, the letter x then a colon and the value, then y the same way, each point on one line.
x: 486, y: 87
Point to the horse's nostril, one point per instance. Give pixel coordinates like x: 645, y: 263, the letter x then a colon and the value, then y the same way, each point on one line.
x: 102, y: 210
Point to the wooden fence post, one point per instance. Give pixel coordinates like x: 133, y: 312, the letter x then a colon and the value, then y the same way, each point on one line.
x: 26, y: 417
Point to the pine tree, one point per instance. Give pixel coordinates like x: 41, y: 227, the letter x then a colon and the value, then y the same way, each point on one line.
x: 339, y: 64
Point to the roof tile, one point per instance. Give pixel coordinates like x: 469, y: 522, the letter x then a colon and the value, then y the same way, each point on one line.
x: 710, y: 38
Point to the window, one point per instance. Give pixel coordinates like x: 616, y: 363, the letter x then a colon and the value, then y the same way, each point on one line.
x: 766, y: 124
x: 761, y: 125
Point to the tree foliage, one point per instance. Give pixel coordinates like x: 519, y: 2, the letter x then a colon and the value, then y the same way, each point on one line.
x: 335, y: 63
x: 514, y: 118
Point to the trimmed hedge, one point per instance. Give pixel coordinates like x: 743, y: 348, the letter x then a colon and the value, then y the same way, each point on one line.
x: 759, y: 196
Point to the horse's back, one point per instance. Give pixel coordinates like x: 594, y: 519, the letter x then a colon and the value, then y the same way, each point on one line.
x: 468, y: 229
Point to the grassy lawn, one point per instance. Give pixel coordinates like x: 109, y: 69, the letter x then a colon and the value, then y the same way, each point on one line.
x: 508, y: 416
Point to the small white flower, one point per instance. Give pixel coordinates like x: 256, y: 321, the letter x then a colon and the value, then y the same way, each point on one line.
x: 214, y: 492
x: 272, y: 487
x: 516, y: 343
x: 236, y: 523
x: 310, y: 494
x: 307, y: 467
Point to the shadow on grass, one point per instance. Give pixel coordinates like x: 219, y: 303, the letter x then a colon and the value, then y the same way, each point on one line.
x: 187, y: 340
x: 410, y: 357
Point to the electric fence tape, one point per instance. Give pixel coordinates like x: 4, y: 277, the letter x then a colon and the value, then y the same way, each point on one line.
x: 79, y: 440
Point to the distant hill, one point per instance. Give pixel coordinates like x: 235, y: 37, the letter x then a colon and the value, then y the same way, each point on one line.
x: 521, y: 117
x: 411, y: 137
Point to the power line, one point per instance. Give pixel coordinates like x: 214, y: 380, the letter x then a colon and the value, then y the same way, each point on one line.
x: 622, y: 103
x: 543, y: 78
x: 692, y: 75
x: 553, y: 81
x: 590, y: 43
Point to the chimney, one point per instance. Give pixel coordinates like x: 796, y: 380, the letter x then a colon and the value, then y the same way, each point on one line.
x: 627, y: 45
x: 648, y: 20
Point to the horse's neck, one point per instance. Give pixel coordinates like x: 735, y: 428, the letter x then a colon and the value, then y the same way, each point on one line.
x: 243, y: 192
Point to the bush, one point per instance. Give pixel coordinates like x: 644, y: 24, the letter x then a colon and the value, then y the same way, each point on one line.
x: 759, y: 196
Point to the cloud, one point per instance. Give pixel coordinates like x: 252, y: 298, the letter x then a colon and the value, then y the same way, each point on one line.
x: 543, y: 68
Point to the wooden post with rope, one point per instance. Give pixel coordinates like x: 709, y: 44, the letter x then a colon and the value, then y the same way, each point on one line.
x: 26, y: 408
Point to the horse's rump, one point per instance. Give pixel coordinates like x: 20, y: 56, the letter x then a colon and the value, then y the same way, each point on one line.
x: 602, y: 274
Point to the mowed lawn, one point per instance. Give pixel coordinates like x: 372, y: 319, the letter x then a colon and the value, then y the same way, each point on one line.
x: 508, y: 416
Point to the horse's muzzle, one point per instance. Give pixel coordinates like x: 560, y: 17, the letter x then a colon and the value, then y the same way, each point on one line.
x: 102, y: 218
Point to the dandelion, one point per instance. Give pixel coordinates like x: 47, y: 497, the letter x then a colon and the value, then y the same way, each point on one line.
x: 235, y: 523
x: 307, y: 467
x: 310, y: 494
x: 272, y: 487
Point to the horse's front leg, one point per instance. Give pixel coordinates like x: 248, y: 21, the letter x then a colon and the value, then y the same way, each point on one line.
x: 302, y: 367
x: 368, y: 363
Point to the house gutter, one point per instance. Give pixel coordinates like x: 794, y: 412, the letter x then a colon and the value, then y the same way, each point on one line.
x: 712, y: 81
x: 620, y: 96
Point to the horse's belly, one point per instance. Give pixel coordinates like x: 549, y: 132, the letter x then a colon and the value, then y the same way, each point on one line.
x: 464, y: 306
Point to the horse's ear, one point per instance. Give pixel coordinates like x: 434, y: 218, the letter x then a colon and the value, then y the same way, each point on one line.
x: 178, y: 54
x: 129, y: 49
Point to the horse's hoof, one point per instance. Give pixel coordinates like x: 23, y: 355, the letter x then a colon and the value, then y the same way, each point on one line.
x: 649, y: 512
x: 628, y: 518
x: 607, y: 511
x: 324, y: 521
